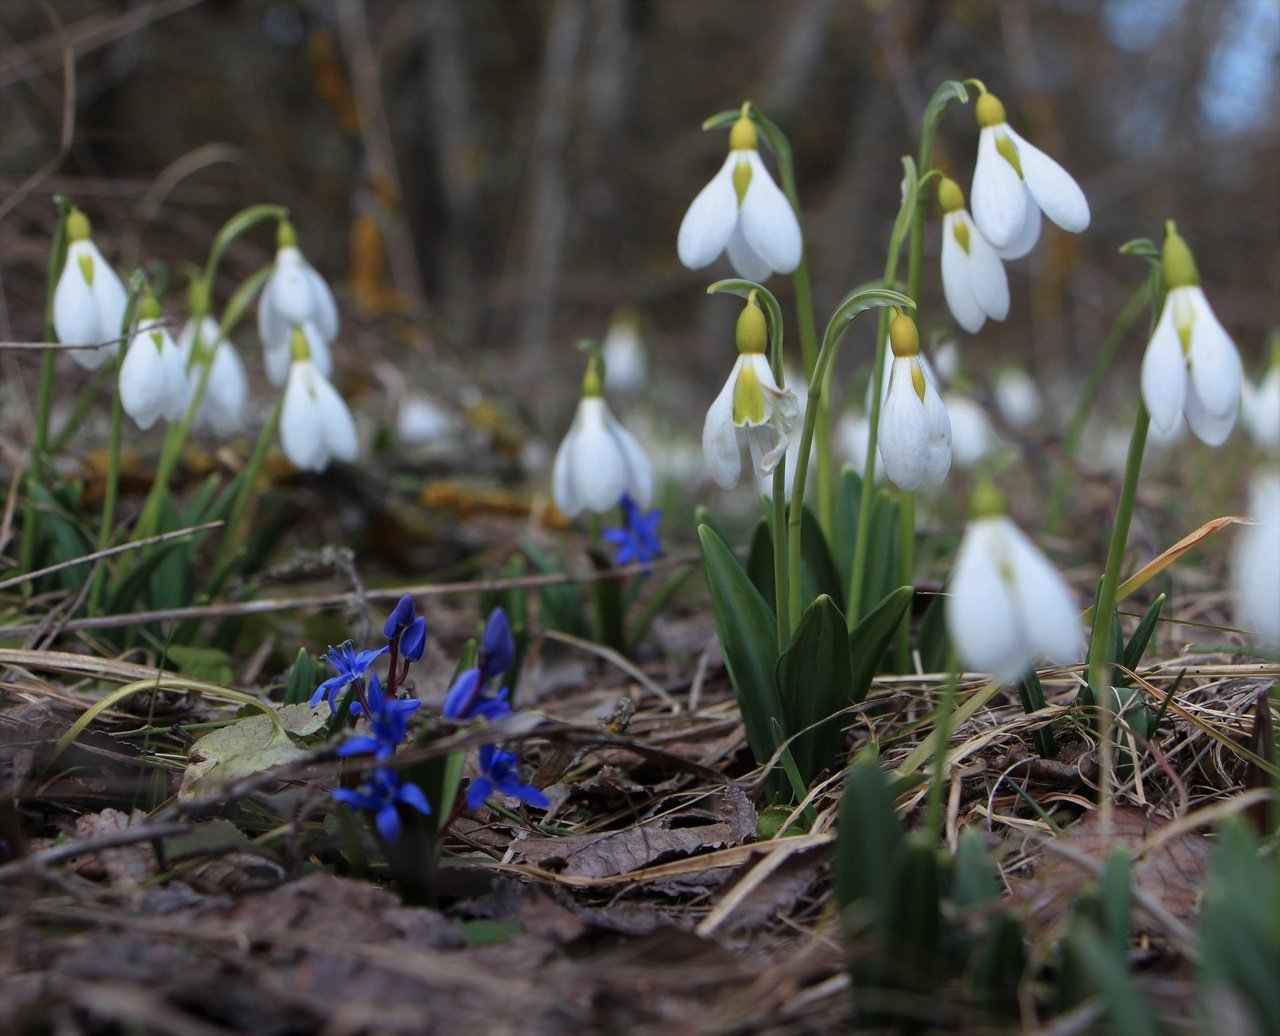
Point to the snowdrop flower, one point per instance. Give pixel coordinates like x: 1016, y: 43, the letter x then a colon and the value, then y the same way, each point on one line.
x: 315, y: 423
x: 153, y: 377
x: 599, y: 460
x: 1014, y: 181
x: 744, y: 211
x: 946, y: 361
x: 1191, y: 365
x: 973, y: 277
x: 915, y: 434
x: 295, y: 296
x: 420, y: 420
x: 89, y: 300
x: 1255, y: 564
x: 751, y: 406
x: 626, y: 367
x: 1017, y: 397
x: 1007, y: 605
x: 852, y: 432
x: 1260, y: 406
x: 226, y: 391
x: 972, y: 436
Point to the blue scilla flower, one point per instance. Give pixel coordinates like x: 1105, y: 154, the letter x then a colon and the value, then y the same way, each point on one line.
x: 401, y: 617
x: 467, y: 699
x: 499, y: 772
x: 388, y: 721
x: 498, y: 649
x: 413, y: 640
x: 382, y: 792
x: 349, y: 665
x: 637, y: 539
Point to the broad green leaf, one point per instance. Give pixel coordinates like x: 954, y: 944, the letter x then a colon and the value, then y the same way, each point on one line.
x: 868, y: 839
x: 748, y: 638
x: 1137, y: 645
x: 815, y: 681
x: 871, y: 637
x: 204, y: 663
x: 249, y: 746
x: 760, y: 562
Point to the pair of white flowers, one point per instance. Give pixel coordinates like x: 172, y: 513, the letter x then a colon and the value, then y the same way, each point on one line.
x: 1013, y: 183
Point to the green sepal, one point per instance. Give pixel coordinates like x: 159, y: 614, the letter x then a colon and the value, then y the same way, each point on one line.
x: 814, y: 678
x: 858, y: 302
x: 871, y: 637
x: 748, y: 638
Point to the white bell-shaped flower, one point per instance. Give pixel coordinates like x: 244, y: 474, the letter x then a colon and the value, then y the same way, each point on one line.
x: 1006, y: 604
x: 973, y: 277
x: 420, y: 420
x: 626, y: 367
x: 315, y: 423
x: 1255, y: 563
x: 972, y: 436
x: 89, y: 300
x: 598, y: 460
x: 1014, y: 181
x: 1260, y: 407
x: 915, y: 433
x: 1191, y: 365
x: 851, y: 435
x: 225, y: 403
x: 153, y: 377
x: 295, y: 295
x: 1017, y: 397
x: 751, y: 406
x: 744, y: 211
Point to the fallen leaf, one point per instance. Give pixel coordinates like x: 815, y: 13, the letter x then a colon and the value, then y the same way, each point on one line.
x: 248, y: 746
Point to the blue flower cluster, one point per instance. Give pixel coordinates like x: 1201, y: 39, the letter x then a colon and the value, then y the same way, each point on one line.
x: 637, y: 539
x: 387, y: 714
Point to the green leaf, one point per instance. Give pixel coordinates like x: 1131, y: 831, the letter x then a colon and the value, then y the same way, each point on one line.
x: 760, y: 561
x: 932, y: 641
x: 748, y: 638
x: 249, y: 746
x: 240, y: 223
x: 302, y: 679
x: 815, y: 681
x: 1137, y: 645
x: 818, y: 574
x: 562, y: 606
x: 858, y: 302
x: 974, y: 883
x: 486, y: 933
x: 948, y: 91
x: 870, y: 638
x: 868, y: 839
x: 124, y: 595
x: 204, y: 663
x: 910, y: 190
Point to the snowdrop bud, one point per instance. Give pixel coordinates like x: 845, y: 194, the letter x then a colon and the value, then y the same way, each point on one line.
x: 299, y: 347
x: 989, y: 111
x: 743, y: 136
x: 950, y: 197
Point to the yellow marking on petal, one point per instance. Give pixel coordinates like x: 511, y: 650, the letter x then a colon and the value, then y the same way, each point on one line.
x: 157, y: 339
x: 1184, y: 316
x: 741, y: 180
x: 298, y: 347
x: 748, y: 398
x: 1009, y: 152
x: 86, y: 269
x: 961, y: 231
x: 917, y: 380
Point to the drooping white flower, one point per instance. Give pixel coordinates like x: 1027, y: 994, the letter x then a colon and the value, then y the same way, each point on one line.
x: 315, y: 423
x: 626, y: 367
x: 973, y: 277
x: 946, y: 361
x: 598, y: 460
x: 851, y: 435
x: 421, y: 420
x: 744, y: 211
x: 1255, y: 563
x: 226, y: 392
x: 1014, y: 181
x: 295, y: 295
x: 915, y: 434
x: 765, y: 482
x: 1260, y: 408
x: 89, y: 300
x: 153, y: 377
x: 1007, y: 605
x: 972, y: 436
x: 751, y: 406
x: 1191, y: 365
x: 1017, y: 397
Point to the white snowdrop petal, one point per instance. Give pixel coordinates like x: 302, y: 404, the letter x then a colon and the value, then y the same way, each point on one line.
x: 176, y: 388
x: 987, y: 280
x: 639, y: 480
x: 291, y: 293
x: 1028, y: 233
x: 985, y: 628
x: 1210, y: 428
x: 109, y: 297
x: 706, y: 227
x: 1215, y: 363
x: 301, y: 423
x: 999, y: 198
x: 957, y: 286
x: 768, y: 221
x: 562, y: 487
x: 1261, y: 416
x: 720, y: 437
x: 1050, y: 617
x: 339, y: 427
x: 1255, y: 562
x: 972, y: 436
x: 318, y: 347
x: 274, y: 330
x: 937, y: 459
x: 1164, y: 371
x: 142, y: 381
x: 324, y: 310
x: 227, y: 392
x: 1054, y: 189
x: 904, y: 431
x: 744, y: 260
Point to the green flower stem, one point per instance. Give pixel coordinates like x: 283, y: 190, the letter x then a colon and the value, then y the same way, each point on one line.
x: 111, y: 491
x: 244, y: 495
x: 1100, y: 647
x: 906, y: 577
x: 1124, y: 322
x: 942, y: 730
x: 783, y: 606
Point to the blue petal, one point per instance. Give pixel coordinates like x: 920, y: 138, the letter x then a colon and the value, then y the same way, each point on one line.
x: 460, y: 699
x: 388, y: 823
x: 401, y: 616
x: 411, y: 795
x: 478, y: 791
x: 359, y: 746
